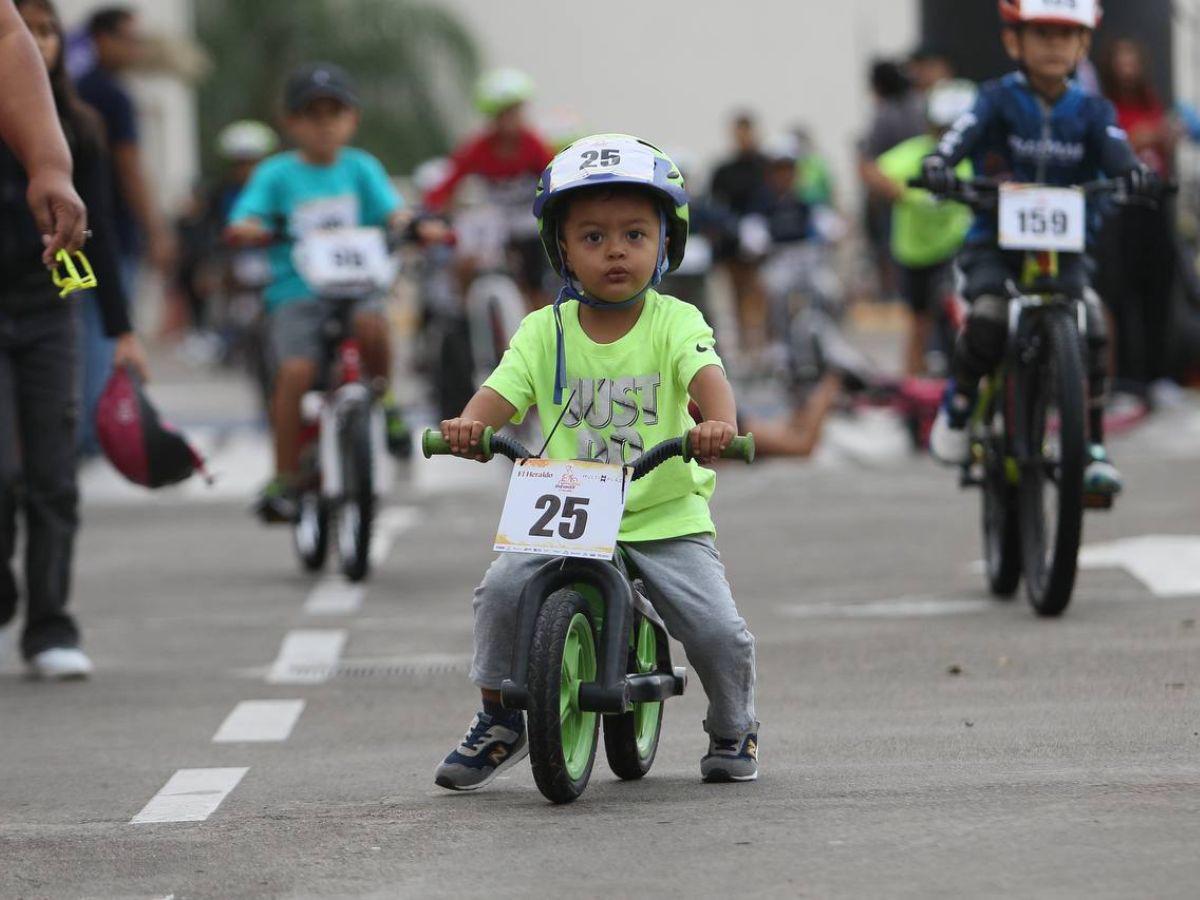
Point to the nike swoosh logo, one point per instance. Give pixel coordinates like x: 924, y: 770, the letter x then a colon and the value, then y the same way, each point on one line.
x: 700, y: 348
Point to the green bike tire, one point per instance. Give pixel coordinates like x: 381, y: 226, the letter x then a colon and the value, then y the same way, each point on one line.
x: 631, y: 739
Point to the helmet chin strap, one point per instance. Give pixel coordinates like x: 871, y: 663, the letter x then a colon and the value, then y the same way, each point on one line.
x: 573, y: 291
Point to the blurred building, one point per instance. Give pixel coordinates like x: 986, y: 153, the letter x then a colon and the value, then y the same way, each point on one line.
x: 164, y: 92
x: 673, y: 72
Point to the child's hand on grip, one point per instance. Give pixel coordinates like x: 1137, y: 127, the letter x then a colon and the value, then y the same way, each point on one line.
x: 708, y: 439
x: 465, y: 437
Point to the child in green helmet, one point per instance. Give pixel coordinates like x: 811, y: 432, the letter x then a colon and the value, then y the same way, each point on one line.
x: 618, y: 363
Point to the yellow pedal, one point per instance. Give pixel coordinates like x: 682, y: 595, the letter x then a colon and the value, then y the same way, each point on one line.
x: 73, y: 273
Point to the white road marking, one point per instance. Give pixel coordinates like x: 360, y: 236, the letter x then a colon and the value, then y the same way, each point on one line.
x: 191, y: 795
x: 259, y: 721
x: 389, y: 525
x: 1167, y: 564
x: 307, y: 656
x: 900, y: 608
x: 334, y: 596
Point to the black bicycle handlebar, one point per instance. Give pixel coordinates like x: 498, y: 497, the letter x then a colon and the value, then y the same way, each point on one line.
x: 742, y: 447
x: 982, y: 193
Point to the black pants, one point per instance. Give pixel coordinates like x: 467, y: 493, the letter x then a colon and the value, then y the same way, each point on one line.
x: 38, y: 418
x: 1137, y: 272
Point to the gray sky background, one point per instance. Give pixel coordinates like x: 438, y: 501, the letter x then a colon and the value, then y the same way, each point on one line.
x: 672, y: 72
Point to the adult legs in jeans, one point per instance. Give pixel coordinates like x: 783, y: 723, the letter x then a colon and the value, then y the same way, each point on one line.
x: 37, y: 471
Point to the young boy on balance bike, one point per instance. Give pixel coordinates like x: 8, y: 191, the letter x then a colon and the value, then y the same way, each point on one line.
x: 1045, y: 130
x: 611, y: 376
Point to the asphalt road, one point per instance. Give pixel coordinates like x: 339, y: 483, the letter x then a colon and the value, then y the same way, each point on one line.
x: 918, y: 739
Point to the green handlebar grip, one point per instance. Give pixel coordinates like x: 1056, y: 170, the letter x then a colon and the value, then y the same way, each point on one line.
x: 433, y: 444
x: 741, y: 447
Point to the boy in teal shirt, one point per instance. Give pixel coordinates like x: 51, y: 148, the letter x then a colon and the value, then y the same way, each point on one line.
x: 927, y: 233
x: 322, y: 184
x: 624, y: 361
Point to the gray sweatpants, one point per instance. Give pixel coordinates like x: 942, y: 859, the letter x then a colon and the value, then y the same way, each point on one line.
x: 685, y: 581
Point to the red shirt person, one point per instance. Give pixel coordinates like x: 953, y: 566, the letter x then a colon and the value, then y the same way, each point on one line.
x: 1125, y: 80
x: 507, y: 149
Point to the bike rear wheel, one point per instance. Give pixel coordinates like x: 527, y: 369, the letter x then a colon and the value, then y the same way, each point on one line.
x: 1052, y: 418
x: 562, y: 737
x: 1001, y: 528
x: 356, y: 510
x: 631, y: 739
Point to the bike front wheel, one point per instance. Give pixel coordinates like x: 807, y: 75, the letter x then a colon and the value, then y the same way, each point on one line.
x: 562, y: 737
x: 311, y: 532
x: 1053, y: 457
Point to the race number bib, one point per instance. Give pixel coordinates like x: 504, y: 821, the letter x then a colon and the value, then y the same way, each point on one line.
x: 1082, y: 12
x: 344, y: 259
x: 560, y: 508
x: 586, y: 159
x: 1042, y: 218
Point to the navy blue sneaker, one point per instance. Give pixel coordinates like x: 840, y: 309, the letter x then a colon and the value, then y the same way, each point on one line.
x: 490, y: 746
x: 731, y: 759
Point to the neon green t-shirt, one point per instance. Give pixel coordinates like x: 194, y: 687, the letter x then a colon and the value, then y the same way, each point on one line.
x: 925, y: 231
x: 623, y: 398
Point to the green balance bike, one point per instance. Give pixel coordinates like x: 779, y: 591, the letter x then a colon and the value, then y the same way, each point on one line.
x: 589, y: 647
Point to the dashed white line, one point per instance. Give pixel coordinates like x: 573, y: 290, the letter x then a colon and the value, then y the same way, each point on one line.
x: 307, y: 656
x: 334, y: 597
x: 191, y: 795
x: 389, y: 525
x: 259, y: 721
x: 900, y: 608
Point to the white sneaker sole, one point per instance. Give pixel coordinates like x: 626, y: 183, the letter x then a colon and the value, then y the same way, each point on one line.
x: 511, y: 761
x: 720, y: 776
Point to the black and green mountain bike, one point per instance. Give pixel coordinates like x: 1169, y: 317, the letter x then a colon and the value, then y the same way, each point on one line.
x: 1029, y: 431
x: 589, y: 647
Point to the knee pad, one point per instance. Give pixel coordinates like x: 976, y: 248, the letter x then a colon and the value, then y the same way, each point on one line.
x: 981, y: 345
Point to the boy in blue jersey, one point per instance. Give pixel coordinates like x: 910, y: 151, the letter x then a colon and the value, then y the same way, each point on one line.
x: 1033, y: 126
x: 322, y: 184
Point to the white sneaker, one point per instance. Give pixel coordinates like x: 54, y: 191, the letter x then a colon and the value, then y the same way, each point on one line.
x: 61, y: 664
x: 948, y: 444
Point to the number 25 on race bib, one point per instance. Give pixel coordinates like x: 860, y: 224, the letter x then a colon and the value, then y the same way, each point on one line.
x: 559, y: 508
x: 1042, y: 218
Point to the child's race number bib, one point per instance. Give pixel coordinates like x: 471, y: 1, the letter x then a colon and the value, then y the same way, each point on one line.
x: 1081, y: 11
x: 344, y: 259
x: 1042, y: 218
x: 560, y: 508
x: 585, y: 159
